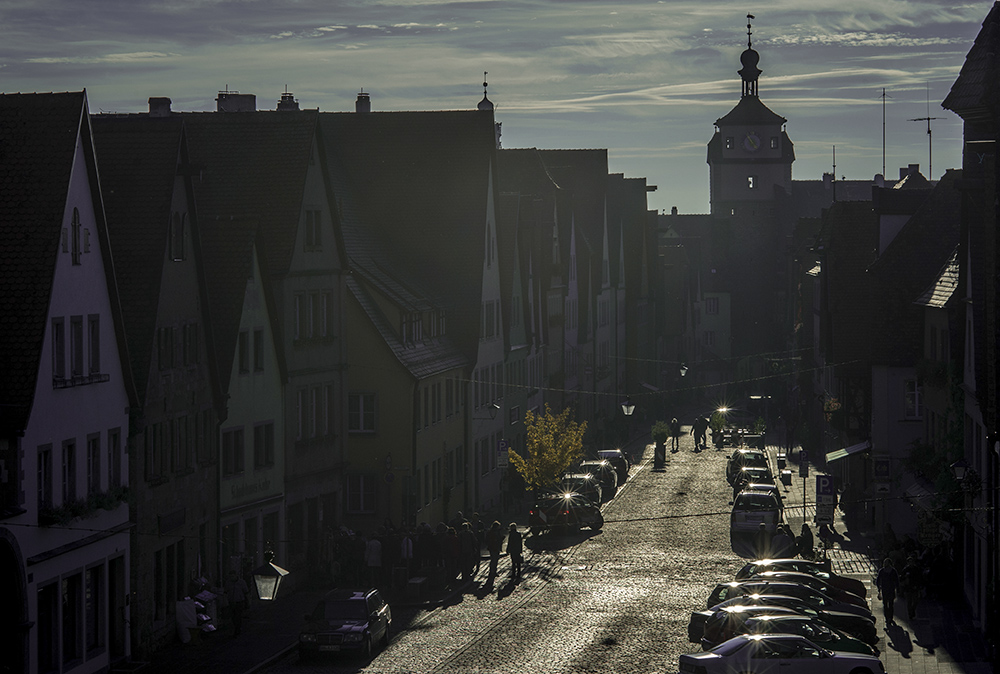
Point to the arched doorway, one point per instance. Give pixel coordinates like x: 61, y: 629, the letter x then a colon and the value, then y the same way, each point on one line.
x: 14, y: 624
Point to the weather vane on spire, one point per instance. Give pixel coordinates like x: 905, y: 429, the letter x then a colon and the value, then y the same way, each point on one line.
x: 749, y: 33
x: 484, y: 82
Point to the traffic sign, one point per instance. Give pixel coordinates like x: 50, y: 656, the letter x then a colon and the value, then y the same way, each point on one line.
x: 825, y: 492
x: 502, y: 447
x: 824, y: 513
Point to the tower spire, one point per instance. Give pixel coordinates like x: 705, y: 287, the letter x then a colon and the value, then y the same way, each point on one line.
x: 486, y: 103
x: 749, y: 58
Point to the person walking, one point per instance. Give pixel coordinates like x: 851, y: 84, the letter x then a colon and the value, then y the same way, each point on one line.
x: 494, y: 543
x: 887, y: 582
x: 515, y: 548
x: 698, y: 430
x: 913, y: 585
x: 762, y: 542
x: 470, y: 551
x: 804, y: 543
x: 237, y: 593
x: 675, y: 435
x: 373, y: 560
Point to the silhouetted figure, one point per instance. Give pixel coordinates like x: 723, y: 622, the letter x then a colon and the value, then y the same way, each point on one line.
x: 887, y: 582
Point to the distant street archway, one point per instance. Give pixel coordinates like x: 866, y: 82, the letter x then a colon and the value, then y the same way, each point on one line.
x: 14, y: 623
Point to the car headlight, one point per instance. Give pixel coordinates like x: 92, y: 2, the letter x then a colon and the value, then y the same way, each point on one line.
x: 307, y: 638
x: 352, y: 637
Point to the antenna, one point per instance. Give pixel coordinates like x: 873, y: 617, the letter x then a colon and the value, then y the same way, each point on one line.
x: 834, y: 181
x: 883, y: 97
x: 930, y: 142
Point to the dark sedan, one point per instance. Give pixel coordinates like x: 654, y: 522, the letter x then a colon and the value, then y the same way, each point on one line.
x: 619, y: 460
x: 587, y: 484
x: 605, y: 472
x: 857, y: 626
x: 818, y: 569
x: 813, y: 629
x: 814, y: 582
x: 814, y: 598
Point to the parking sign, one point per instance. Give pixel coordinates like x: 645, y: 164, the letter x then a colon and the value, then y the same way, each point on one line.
x: 502, y: 456
x: 825, y: 491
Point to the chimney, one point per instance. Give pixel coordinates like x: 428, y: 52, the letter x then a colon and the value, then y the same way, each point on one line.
x: 673, y: 210
x: 908, y: 170
x: 288, y: 102
x: 159, y: 106
x: 914, y: 169
x: 879, y: 180
x: 363, y: 104
x: 234, y: 101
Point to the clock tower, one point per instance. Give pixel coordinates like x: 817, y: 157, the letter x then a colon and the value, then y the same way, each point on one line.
x: 750, y: 153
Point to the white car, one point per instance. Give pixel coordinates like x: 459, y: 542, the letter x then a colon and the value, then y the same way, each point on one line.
x: 773, y: 653
x: 751, y: 508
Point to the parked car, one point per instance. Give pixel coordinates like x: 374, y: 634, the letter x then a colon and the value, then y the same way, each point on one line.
x: 619, y: 460
x: 814, y: 582
x: 752, y: 508
x: 758, y: 486
x: 346, y: 620
x: 774, y: 653
x: 751, y: 475
x: 726, y: 624
x: 709, y: 631
x: 744, y: 457
x: 857, y: 626
x: 564, y: 511
x: 814, y: 598
x: 603, y: 469
x: 814, y: 629
x: 820, y: 569
x: 587, y: 484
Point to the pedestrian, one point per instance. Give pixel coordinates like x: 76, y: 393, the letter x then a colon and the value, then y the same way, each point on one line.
x: 494, y: 543
x: 373, y: 560
x: 913, y: 585
x: 237, y: 593
x: 675, y: 435
x: 698, y: 430
x: 470, y: 551
x: 804, y: 543
x: 782, y: 542
x: 406, y: 551
x: 515, y: 548
x: 762, y: 542
x: 887, y: 582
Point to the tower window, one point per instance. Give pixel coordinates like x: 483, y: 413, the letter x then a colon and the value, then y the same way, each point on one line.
x: 752, y: 182
x: 730, y: 143
x: 774, y: 142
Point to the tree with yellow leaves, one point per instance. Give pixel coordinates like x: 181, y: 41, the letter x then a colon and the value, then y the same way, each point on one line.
x: 554, y: 443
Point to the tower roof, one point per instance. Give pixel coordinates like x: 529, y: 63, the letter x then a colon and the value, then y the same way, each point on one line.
x: 750, y: 111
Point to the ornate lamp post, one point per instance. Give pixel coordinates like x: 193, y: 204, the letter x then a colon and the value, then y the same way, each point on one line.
x: 268, y: 577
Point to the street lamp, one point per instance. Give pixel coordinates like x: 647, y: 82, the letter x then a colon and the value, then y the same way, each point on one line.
x: 268, y: 577
x: 959, y: 469
x: 494, y: 408
x: 628, y: 407
x: 684, y: 369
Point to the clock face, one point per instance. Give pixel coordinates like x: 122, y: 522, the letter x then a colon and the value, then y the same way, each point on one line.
x: 751, y: 143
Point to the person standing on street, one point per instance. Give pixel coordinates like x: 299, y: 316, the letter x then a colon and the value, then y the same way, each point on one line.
x: 494, y: 543
x: 698, y: 430
x: 887, y: 582
x: 237, y: 592
x: 675, y: 435
x: 515, y: 548
x: 913, y: 585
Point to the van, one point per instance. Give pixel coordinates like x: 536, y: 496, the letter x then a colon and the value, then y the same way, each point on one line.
x: 751, y: 508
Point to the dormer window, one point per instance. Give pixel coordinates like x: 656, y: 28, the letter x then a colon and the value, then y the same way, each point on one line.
x: 314, y: 232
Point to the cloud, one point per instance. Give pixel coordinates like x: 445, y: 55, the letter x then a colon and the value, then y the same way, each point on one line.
x: 132, y: 57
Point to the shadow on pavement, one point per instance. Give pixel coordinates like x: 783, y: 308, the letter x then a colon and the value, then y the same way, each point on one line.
x: 552, y: 541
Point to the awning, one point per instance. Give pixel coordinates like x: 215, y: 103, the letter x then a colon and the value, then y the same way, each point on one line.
x: 847, y: 451
x: 919, y: 496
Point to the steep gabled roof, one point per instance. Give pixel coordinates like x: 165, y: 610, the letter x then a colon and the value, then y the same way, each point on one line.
x: 253, y: 166
x: 973, y: 96
x: 422, y: 180
x: 38, y: 144
x: 944, y: 287
x: 139, y: 159
x: 911, y: 263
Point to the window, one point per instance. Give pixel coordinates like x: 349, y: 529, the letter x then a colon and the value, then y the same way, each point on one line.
x: 76, y: 345
x: 94, y: 463
x: 45, y: 476
x: 94, y: 342
x: 912, y: 403
x: 93, y: 607
x: 69, y: 471
x: 263, y: 445
x: 190, y: 344
x: 177, y: 237
x: 258, y: 350
x: 71, y: 618
x: 314, y: 232
x: 165, y: 347
x: 58, y: 348
x: 361, y: 413
x: 752, y: 182
x: 774, y: 142
x: 232, y: 451
x: 311, y: 315
x: 75, y: 235
x: 360, y: 494
x: 712, y: 305
x: 48, y: 628
x: 708, y: 338
x: 244, y: 352
x: 114, y: 458
x: 730, y: 142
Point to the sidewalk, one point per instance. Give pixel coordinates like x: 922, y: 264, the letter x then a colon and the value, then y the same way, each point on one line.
x: 942, y: 638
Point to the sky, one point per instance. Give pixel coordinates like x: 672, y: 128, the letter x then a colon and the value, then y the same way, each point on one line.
x: 645, y: 79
